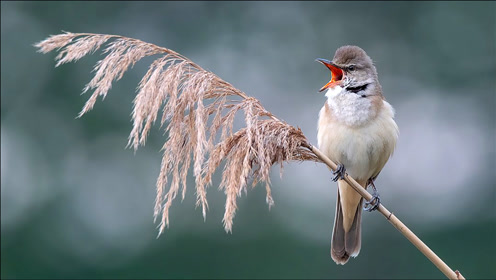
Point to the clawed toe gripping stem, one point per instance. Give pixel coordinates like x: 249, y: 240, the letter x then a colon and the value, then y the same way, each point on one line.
x: 339, y: 173
x: 374, y: 202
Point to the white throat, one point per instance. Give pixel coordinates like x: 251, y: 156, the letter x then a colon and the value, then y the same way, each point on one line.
x: 349, y: 108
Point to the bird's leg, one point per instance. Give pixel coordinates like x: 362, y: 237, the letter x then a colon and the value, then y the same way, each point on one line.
x: 374, y: 202
x: 340, y: 171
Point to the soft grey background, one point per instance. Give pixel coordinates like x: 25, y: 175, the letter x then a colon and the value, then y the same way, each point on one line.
x: 76, y: 204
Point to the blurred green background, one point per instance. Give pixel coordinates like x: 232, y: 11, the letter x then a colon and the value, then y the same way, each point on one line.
x: 76, y: 204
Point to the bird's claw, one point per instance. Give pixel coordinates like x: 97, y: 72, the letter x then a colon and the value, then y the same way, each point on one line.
x: 373, y: 203
x: 340, y: 171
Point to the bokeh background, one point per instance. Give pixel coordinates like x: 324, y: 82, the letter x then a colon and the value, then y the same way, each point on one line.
x: 76, y: 204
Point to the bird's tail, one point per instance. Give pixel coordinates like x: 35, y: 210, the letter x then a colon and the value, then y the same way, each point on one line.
x: 346, y: 243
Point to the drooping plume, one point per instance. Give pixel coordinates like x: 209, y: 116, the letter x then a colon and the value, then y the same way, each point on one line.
x: 198, y: 109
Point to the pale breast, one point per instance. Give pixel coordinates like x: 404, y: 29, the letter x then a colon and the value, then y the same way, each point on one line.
x: 363, y: 149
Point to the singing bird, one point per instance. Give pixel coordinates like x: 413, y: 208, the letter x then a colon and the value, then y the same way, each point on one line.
x: 356, y: 130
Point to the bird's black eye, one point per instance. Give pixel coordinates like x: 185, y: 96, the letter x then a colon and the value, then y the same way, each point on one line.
x: 351, y: 68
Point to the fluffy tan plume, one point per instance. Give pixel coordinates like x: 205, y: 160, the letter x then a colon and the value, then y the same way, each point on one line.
x: 199, y: 109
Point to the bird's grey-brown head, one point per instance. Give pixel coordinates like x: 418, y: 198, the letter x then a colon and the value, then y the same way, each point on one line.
x: 352, y: 69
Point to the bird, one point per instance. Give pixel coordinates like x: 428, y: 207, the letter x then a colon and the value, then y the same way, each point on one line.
x: 356, y: 129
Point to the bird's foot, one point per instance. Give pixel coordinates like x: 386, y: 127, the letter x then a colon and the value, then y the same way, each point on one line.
x: 340, y: 171
x: 374, y: 202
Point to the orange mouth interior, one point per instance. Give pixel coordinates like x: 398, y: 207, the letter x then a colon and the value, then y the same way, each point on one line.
x: 336, y: 77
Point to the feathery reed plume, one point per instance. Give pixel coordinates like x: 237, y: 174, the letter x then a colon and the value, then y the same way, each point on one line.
x: 189, y: 95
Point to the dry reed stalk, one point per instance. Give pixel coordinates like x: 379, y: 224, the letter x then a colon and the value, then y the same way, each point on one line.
x: 189, y: 96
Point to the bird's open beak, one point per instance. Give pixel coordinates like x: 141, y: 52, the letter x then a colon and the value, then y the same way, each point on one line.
x: 336, y: 73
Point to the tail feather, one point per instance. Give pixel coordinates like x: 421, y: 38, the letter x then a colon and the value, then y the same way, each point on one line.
x: 346, y: 243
